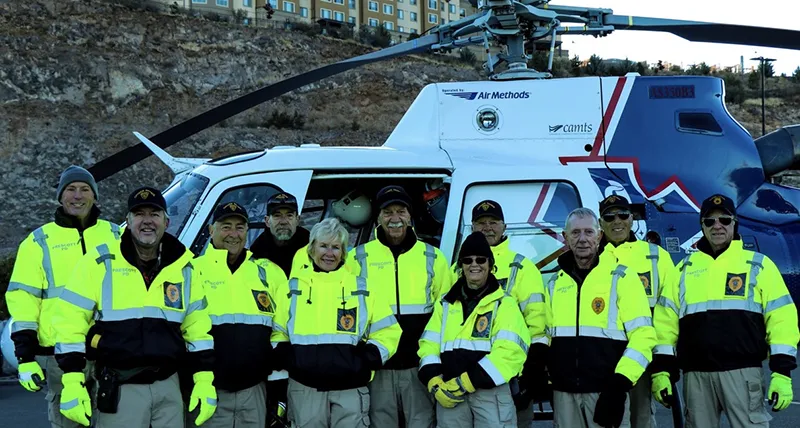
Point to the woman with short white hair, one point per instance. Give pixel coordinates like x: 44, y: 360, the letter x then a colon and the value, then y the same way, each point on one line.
x: 331, y: 336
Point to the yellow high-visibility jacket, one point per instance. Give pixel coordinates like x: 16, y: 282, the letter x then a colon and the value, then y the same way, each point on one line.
x: 490, y: 344
x: 136, y: 324
x: 331, y: 332
x: 727, y: 313
x: 650, y: 262
x: 411, y: 282
x: 242, y: 306
x: 301, y: 260
x: 521, y: 280
x: 44, y: 263
x: 598, y: 327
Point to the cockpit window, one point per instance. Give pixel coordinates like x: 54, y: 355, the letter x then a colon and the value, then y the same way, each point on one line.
x: 181, y: 199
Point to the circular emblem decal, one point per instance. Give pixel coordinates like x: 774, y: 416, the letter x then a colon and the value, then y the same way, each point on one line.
x: 717, y: 200
x: 172, y: 293
x: 598, y: 304
x: 263, y: 299
x: 481, y: 324
x: 645, y: 281
x: 346, y: 321
x: 735, y: 283
x: 487, y: 119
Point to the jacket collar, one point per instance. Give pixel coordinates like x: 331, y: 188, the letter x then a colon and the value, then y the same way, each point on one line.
x: 171, y: 249
x: 221, y: 255
x: 405, y: 246
x: 631, y: 238
x: 71, y: 222
x: 491, y: 284
x: 264, y: 246
x: 705, y: 247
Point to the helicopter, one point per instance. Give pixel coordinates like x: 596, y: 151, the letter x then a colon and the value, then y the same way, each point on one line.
x: 539, y: 146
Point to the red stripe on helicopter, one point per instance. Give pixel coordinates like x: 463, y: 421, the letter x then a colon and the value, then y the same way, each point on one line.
x: 535, y: 213
x: 594, y: 155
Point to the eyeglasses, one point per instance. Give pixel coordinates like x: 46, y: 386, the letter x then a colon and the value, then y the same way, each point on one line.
x: 710, y: 221
x: 622, y: 216
x: 469, y: 260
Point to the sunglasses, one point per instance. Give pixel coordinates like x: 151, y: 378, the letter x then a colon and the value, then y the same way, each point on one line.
x: 620, y: 215
x: 710, y: 221
x: 469, y: 260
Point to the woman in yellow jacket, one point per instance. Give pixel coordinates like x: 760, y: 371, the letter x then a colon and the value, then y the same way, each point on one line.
x: 331, y: 335
x: 474, y: 343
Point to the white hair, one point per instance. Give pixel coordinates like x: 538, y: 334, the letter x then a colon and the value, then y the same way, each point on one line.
x: 330, y: 229
x: 583, y: 212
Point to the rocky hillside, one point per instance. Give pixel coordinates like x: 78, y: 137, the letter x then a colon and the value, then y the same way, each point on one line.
x: 77, y: 76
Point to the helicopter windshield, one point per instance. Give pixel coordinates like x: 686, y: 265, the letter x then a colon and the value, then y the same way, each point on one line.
x: 181, y: 199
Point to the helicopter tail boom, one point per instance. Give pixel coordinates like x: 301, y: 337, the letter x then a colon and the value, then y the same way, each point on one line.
x: 780, y: 150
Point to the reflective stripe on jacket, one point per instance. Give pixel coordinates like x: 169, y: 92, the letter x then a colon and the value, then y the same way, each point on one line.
x: 600, y: 327
x: 651, y: 263
x: 44, y: 263
x: 135, y: 325
x: 727, y: 313
x: 339, y: 331
x: 241, y: 306
x: 490, y: 345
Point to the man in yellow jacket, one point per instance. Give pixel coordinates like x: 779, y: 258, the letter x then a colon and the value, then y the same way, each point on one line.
x: 520, y: 279
x: 136, y: 307
x: 726, y: 311
x: 45, y: 260
x: 412, y: 276
x: 654, y: 267
x: 601, y: 332
x: 241, y: 294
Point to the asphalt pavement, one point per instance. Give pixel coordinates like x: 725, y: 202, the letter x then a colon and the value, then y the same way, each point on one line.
x: 20, y: 408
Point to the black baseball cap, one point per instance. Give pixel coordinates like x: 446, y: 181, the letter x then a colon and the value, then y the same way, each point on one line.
x: 281, y: 200
x: 717, y: 202
x: 229, y: 209
x: 487, y: 207
x: 392, y: 195
x: 612, y: 201
x: 146, y: 196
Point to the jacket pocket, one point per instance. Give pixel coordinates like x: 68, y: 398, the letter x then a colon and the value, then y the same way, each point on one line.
x: 364, y: 400
x: 506, y: 410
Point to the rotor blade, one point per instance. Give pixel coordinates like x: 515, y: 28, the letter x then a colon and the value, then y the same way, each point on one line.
x: 131, y: 155
x: 710, y: 32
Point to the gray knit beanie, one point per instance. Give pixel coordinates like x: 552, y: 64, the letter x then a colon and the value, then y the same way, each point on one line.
x: 75, y: 173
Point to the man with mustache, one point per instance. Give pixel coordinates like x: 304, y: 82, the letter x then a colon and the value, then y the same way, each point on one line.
x: 241, y: 292
x: 138, y: 308
x: 717, y: 320
x: 520, y: 279
x: 45, y: 260
x: 600, y: 328
x: 654, y: 267
x: 412, y: 276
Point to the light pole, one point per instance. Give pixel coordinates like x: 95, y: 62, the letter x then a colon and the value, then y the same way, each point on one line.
x: 763, y: 70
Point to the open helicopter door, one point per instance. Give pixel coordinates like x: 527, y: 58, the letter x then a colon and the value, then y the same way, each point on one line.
x: 535, y: 204
x: 251, y: 192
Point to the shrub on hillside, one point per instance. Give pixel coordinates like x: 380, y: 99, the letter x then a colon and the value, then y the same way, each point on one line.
x: 6, y: 266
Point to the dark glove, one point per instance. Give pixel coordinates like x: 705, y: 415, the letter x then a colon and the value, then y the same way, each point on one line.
x: 519, y: 393
x: 666, y: 363
x: 610, y: 407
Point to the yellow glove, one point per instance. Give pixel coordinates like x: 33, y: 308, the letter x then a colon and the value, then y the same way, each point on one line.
x: 460, y: 385
x: 781, y: 386
x: 661, y: 384
x: 204, y: 394
x: 75, y: 403
x: 31, y: 376
x: 446, y: 399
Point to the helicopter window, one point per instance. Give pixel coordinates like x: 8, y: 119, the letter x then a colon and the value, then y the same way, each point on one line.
x: 181, y: 199
x: 534, y: 216
x: 701, y: 122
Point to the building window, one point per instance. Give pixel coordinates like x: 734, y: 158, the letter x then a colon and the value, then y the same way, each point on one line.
x: 463, y: 12
x: 413, y: 31
x: 452, y: 8
x: 373, y: 22
x: 432, y: 4
x: 412, y: 2
x: 401, y: 29
x: 247, y: 3
x: 401, y: 14
x: 388, y: 9
x: 304, y: 12
x: 373, y: 6
x: 351, y: 4
x: 222, y: 3
x: 338, y: 1
x: 413, y: 16
x: 326, y: 13
x: 339, y: 16
x: 389, y: 25
x: 199, y: 1
x: 288, y: 6
x: 351, y: 19
x: 432, y: 18
x: 274, y: 4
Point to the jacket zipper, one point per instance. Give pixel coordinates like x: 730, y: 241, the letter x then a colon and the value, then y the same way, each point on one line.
x: 396, y: 285
x: 83, y: 243
x: 577, y: 334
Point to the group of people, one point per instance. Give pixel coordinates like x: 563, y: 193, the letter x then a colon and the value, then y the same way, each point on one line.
x: 130, y: 328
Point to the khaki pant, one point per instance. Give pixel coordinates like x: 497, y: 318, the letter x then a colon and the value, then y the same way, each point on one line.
x: 309, y: 408
x: 394, y: 390
x: 240, y: 409
x: 53, y: 374
x: 643, y: 407
x: 572, y: 410
x: 738, y: 393
x: 484, y: 408
x: 156, y: 405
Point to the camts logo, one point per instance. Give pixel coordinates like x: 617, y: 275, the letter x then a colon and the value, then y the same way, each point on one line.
x: 571, y: 129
